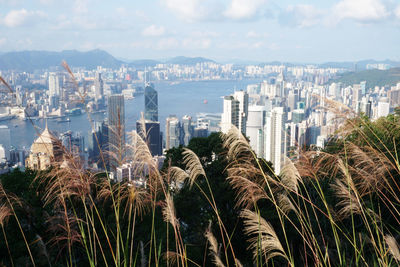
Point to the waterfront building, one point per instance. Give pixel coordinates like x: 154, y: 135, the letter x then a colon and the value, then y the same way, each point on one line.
x: 5, y: 140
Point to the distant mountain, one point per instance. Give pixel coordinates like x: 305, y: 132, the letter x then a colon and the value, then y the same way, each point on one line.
x: 141, y: 63
x: 188, y: 60
x: 372, y: 77
x: 33, y: 60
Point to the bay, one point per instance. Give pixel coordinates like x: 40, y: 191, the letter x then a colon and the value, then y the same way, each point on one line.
x: 177, y: 98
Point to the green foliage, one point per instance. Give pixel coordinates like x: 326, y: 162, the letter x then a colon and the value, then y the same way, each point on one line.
x: 372, y: 77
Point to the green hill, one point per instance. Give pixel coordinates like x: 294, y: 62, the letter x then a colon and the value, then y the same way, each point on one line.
x: 372, y: 77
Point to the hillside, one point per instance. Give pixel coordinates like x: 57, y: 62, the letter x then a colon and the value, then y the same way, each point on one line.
x: 34, y: 60
x: 372, y: 77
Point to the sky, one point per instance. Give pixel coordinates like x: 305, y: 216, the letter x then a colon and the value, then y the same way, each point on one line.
x: 312, y: 31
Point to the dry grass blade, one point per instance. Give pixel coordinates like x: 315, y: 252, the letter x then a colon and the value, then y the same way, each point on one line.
x: 263, y: 237
x: 285, y: 204
x: 178, y: 175
x: 193, y: 165
x: 237, y: 144
x: 290, y: 176
x: 5, y: 213
x: 214, y: 250
x: 393, y: 247
x: 169, y: 213
x: 348, y: 203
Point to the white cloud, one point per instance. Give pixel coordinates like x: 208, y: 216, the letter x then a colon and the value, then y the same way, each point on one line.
x: 167, y: 43
x: 397, y: 12
x: 301, y: 16
x: 360, y: 10
x: 81, y: 6
x: 196, y: 43
x: 189, y: 10
x: 153, y: 30
x: 21, y: 17
x: 2, y: 41
x: 243, y: 9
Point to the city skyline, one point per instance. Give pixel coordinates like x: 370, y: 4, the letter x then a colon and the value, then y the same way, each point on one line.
x: 311, y: 31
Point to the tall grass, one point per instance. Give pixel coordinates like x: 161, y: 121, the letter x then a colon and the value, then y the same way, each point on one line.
x: 337, y: 207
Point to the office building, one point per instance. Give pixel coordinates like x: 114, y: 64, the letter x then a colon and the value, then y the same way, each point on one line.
x: 151, y: 135
x: 116, y: 130
x: 187, y: 129
x: 150, y: 103
x: 172, y: 132
x: 235, y: 111
x: 255, y: 128
x: 98, y: 88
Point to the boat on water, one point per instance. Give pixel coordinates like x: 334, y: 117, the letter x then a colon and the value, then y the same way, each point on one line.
x: 6, y: 117
x: 65, y: 120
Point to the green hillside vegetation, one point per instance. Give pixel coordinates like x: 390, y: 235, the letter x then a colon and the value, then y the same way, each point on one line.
x: 372, y: 77
x: 215, y: 204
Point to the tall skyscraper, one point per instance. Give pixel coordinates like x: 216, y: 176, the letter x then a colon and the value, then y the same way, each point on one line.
x: 150, y: 103
x: 235, y: 111
x: 98, y: 140
x: 187, y: 129
x: 255, y: 128
x: 151, y: 135
x: 274, y: 142
x: 54, y: 84
x: 98, y: 88
x: 116, y: 133
x: 172, y: 132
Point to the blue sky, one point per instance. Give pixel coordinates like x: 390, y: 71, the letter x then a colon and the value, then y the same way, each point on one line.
x: 260, y: 30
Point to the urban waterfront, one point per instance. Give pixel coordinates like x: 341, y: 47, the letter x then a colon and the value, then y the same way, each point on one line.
x: 181, y: 98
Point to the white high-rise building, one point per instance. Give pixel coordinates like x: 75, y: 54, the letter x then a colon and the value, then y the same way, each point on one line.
x: 173, y: 132
x: 243, y: 99
x: 255, y: 128
x: 5, y: 139
x: 275, y: 136
x: 235, y: 111
x: 383, y: 109
x: 54, y: 84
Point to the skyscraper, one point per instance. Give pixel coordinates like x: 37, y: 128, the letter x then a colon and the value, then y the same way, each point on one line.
x: 172, y: 132
x: 54, y: 85
x: 150, y: 103
x: 116, y: 133
x: 187, y: 129
x: 255, y: 128
x: 235, y: 111
x: 98, y: 88
x: 274, y: 142
x: 151, y: 135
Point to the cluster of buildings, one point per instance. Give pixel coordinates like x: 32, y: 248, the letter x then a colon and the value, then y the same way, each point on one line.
x: 281, y: 116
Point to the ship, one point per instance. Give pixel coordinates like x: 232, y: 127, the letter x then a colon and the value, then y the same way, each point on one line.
x: 6, y: 117
x: 65, y: 120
